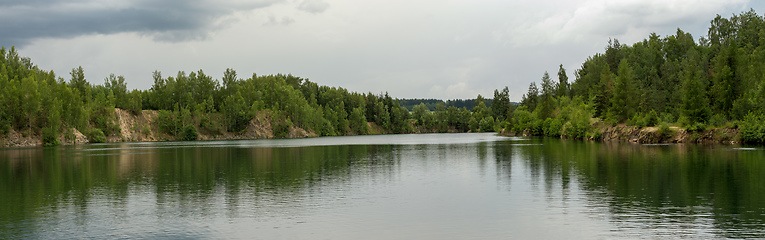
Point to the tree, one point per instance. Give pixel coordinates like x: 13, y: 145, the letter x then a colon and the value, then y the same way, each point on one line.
x: 724, y: 84
x: 79, y: 84
x: 531, y: 98
x: 695, y: 101
x: 419, y: 113
x: 546, y: 106
x: 625, y: 95
x: 117, y: 85
x: 134, y: 102
x: 562, y: 87
x: 236, y: 113
x: 30, y: 99
x: 358, y: 121
x: 501, y: 104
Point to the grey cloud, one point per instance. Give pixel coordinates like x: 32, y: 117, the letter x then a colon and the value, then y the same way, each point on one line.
x: 168, y: 20
x: 313, y: 6
x: 272, y: 21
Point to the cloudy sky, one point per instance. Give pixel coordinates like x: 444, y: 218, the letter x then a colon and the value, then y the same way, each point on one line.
x: 444, y: 49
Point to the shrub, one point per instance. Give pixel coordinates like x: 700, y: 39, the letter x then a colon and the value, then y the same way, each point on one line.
x: 189, y: 133
x: 167, y: 122
x: 49, y: 137
x: 594, y: 134
x: 487, y: 124
x: 636, y: 120
x: 696, y: 127
x: 664, y: 131
x: 522, y: 120
x: 752, y: 128
x: 145, y: 130
x: 553, y: 127
x: 694, y: 137
x: 652, y: 119
x: 717, y: 120
x: 577, y: 128
x: 96, y: 136
x: 668, y: 118
x: 537, y: 127
x: 281, y: 125
x: 473, y: 124
x: 209, y: 125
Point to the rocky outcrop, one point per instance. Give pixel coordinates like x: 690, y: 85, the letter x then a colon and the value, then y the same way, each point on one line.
x: 674, y: 135
x: 143, y: 128
x: 16, y: 139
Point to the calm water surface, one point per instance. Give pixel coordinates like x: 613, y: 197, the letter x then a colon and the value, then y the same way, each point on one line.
x: 429, y: 186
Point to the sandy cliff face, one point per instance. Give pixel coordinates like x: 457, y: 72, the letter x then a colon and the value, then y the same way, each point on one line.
x: 677, y: 135
x: 143, y: 128
x: 647, y: 135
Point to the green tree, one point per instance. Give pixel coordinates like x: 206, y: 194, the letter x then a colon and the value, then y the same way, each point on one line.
x: 117, y: 85
x: 695, y: 101
x: 235, y: 113
x: 624, y: 99
x: 79, y: 84
x: 30, y: 100
x: 500, y: 106
x: 419, y: 113
x: 562, y: 89
x: 547, y: 104
x: 531, y: 98
x: 358, y: 122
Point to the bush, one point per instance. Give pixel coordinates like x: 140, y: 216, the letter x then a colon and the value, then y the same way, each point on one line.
x: 652, y: 119
x: 522, y: 120
x: 189, y: 133
x: 102, y: 119
x: 668, y: 118
x: 594, y: 134
x: 281, y: 125
x: 49, y: 137
x: 637, y: 120
x: 577, y: 128
x: 167, y: 122
x: 752, y: 128
x: 96, y: 136
x: 487, y: 124
x: 473, y: 124
x: 696, y: 127
x: 145, y: 130
x: 210, y: 125
x: 553, y: 127
x: 537, y: 127
x: 664, y: 130
x: 717, y: 120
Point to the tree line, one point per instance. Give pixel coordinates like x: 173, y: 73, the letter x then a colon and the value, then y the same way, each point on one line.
x: 717, y: 81
x: 40, y: 103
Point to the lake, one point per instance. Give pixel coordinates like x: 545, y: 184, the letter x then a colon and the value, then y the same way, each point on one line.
x: 426, y: 186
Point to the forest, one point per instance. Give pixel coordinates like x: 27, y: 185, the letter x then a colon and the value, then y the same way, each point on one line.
x: 715, y: 82
x: 40, y: 103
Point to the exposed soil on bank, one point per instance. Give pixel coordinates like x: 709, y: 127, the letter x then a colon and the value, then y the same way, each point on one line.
x: 652, y: 135
x: 675, y: 135
x: 144, y: 128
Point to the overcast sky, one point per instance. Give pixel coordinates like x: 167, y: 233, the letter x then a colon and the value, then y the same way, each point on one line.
x: 444, y: 49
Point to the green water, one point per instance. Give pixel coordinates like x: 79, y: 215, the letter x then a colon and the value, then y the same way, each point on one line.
x: 430, y: 186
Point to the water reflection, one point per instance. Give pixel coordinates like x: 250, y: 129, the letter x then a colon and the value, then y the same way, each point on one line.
x: 658, y: 190
x: 425, y: 187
